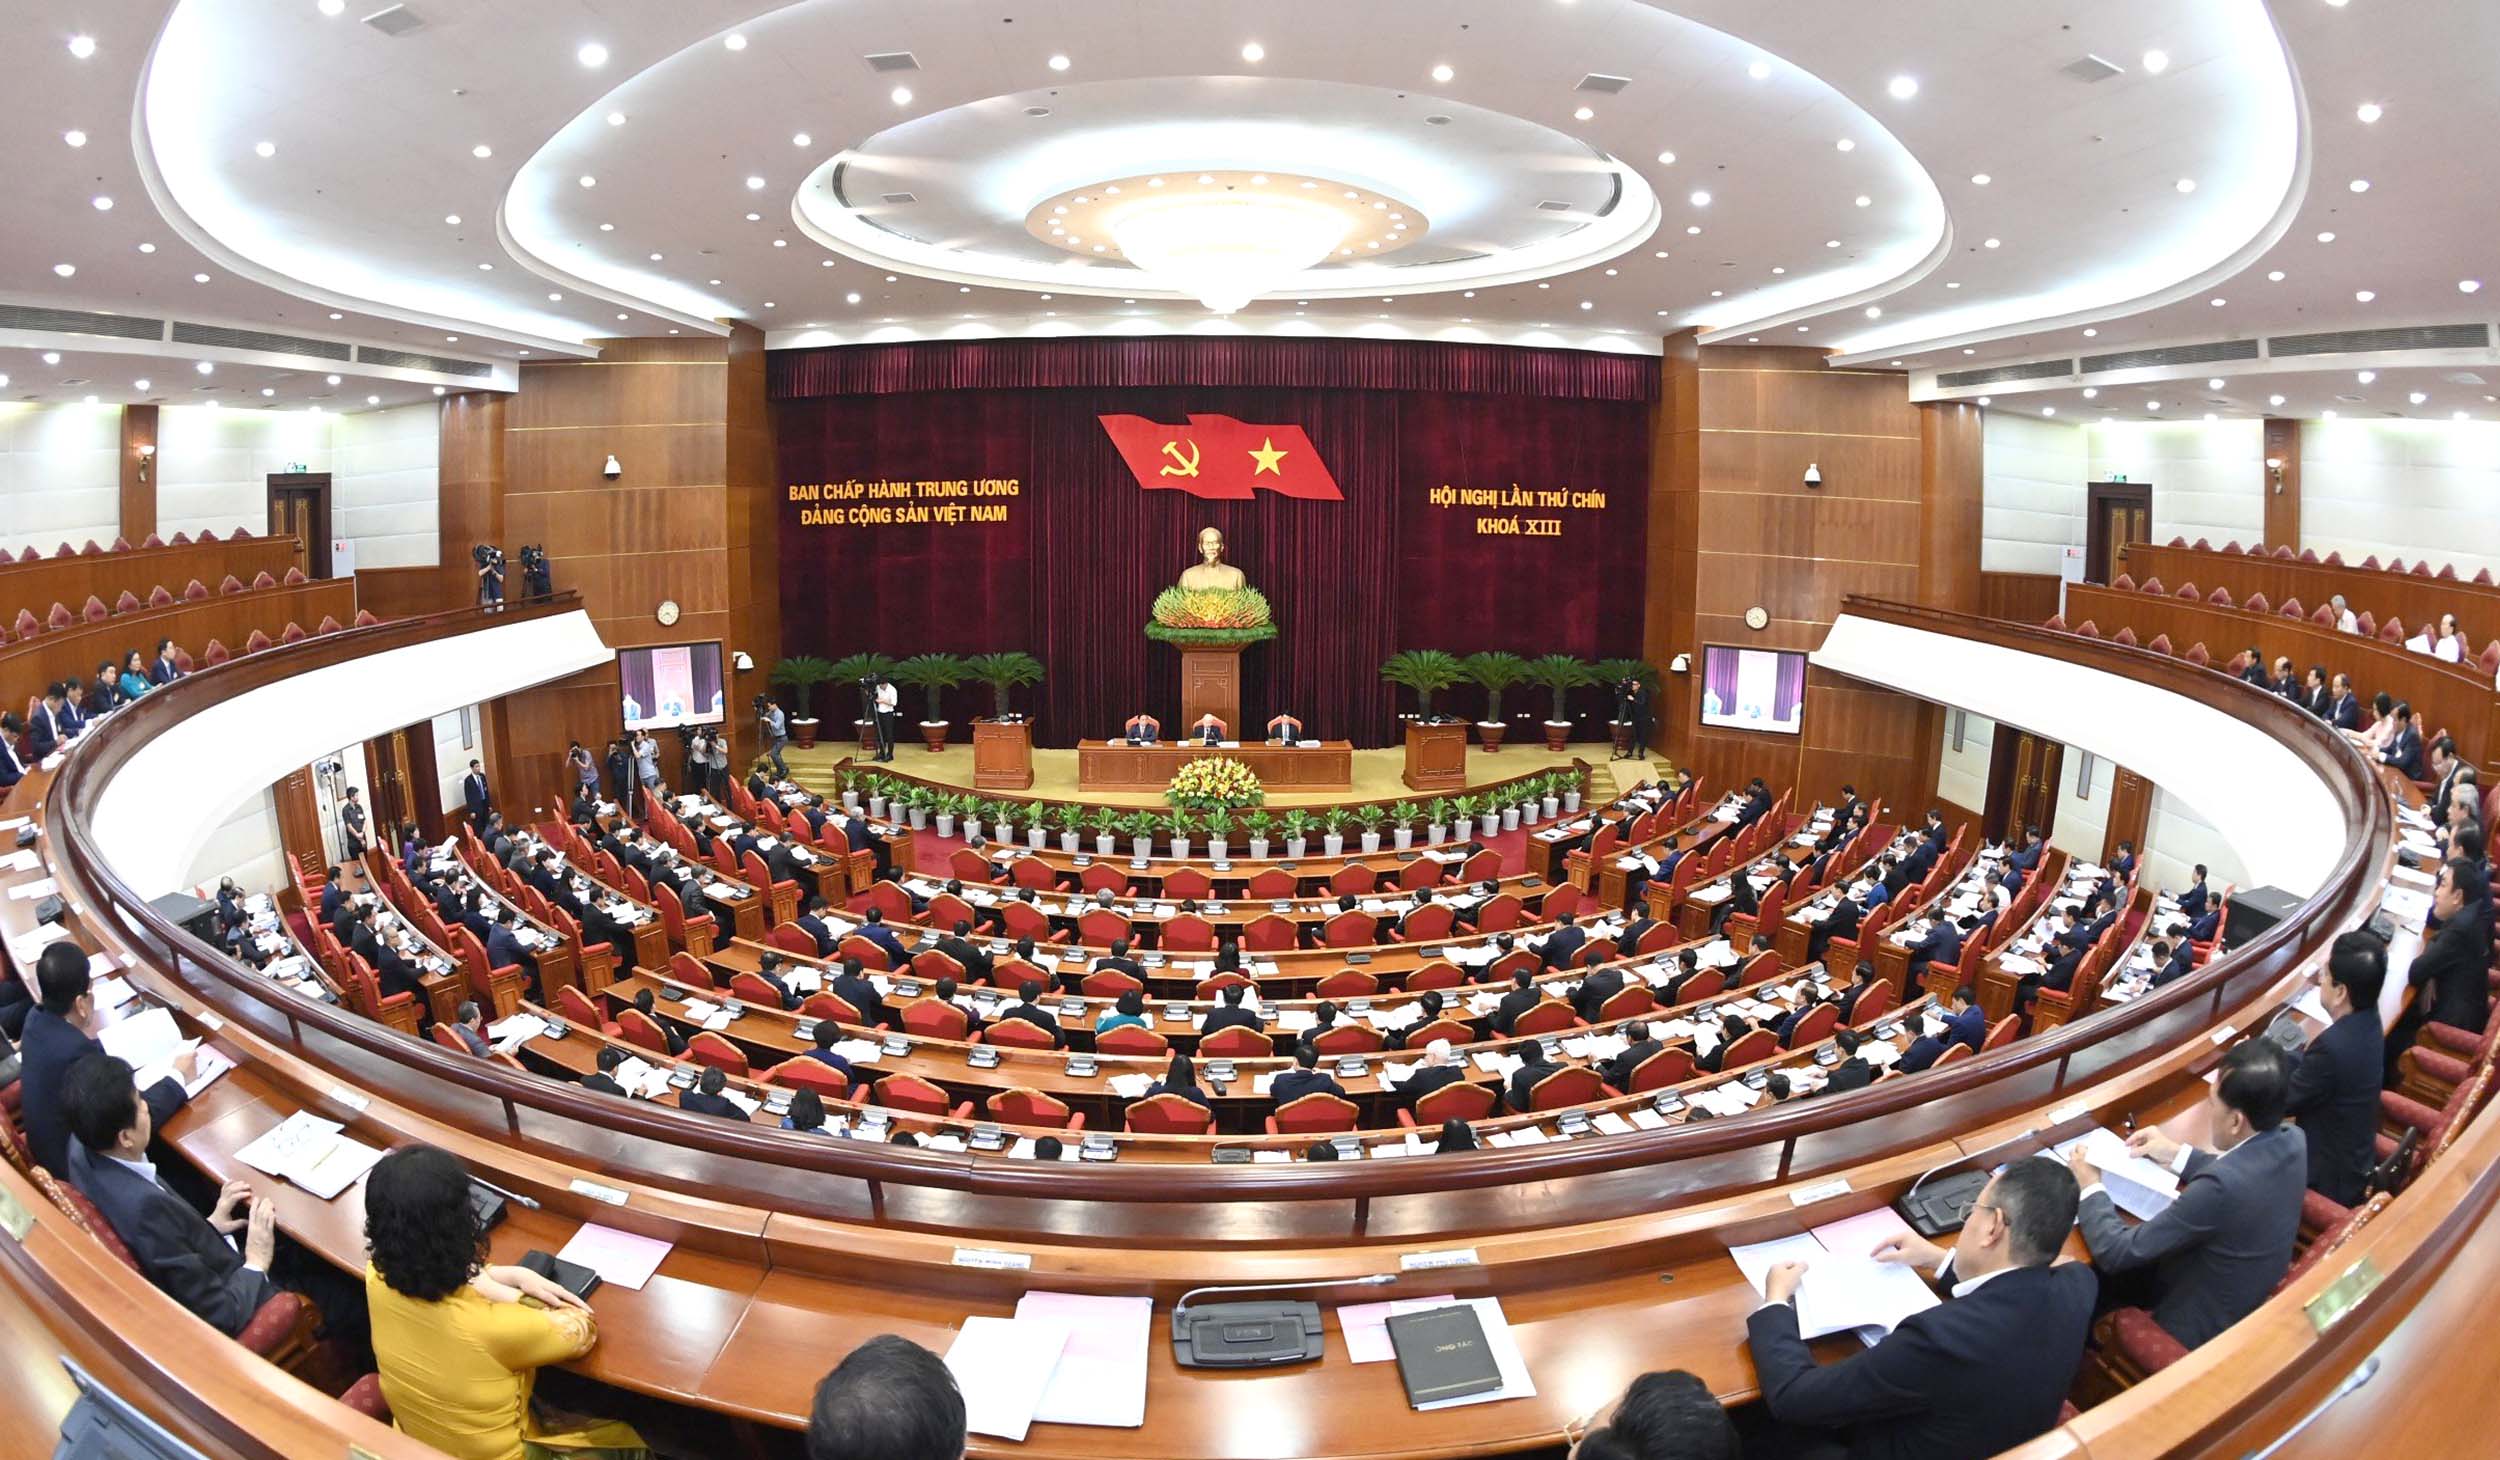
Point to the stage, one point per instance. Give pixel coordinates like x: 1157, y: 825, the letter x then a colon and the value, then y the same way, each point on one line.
x: 1376, y: 772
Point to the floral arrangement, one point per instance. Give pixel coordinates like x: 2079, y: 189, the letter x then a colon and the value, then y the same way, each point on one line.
x: 1212, y: 781
x: 1211, y: 616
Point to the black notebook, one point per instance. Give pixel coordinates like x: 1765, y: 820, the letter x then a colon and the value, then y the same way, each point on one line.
x: 574, y: 1278
x: 1442, y: 1354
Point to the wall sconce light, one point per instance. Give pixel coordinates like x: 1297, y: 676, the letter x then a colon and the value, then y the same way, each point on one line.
x: 1680, y: 664
x: 147, y: 456
x: 612, y: 470
x: 2274, y: 474
x: 742, y: 661
x: 1814, y: 475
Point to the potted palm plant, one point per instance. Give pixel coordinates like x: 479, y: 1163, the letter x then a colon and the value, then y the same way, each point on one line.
x: 1038, y: 822
x: 1573, y: 784
x: 802, y: 673
x: 1178, y: 823
x: 1489, y: 814
x: 935, y: 674
x: 997, y: 816
x: 947, y: 808
x: 1402, y: 819
x: 918, y: 802
x: 1332, y: 824
x: 1561, y: 674
x: 1550, y: 788
x: 1437, y: 821
x: 1141, y: 831
x: 1296, y: 824
x: 1508, y: 800
x: 1003, y: 672
x: 1107, y: 825
x: 1496, y: 672
x: 1256, y: 825
x: 1219, y: 824
x: 866, y: 789
x: 1370, y: 816
x: 1426, y: 672
x: 853, y: 669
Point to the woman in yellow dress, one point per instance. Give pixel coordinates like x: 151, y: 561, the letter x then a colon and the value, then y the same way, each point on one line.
x: 459, y: 1341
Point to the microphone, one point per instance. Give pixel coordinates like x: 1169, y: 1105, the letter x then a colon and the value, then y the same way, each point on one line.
x: 1376, y: 1280
x: 511, y: 1196
x: 1944, y: 1212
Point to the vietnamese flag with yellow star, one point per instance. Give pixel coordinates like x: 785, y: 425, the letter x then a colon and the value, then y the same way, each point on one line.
x: 1222, y: 458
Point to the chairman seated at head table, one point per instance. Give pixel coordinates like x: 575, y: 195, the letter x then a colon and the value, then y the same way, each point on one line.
x: 1141, y: 730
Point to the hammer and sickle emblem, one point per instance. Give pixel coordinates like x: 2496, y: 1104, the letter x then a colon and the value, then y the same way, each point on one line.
x: 1187, y: 464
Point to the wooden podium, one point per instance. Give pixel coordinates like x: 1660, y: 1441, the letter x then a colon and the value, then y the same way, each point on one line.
x: 1002, y: 755
x: 1436, y: 756
x: 1211, y: 685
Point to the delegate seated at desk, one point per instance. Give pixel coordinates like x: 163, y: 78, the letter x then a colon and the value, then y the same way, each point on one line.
x: 1141, y: 730
x: 1283, y: 730
x: 1209, y: 731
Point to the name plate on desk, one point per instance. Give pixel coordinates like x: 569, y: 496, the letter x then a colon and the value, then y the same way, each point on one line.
x: 993, y: 1260
x: 1137, y: 864
x: 1082, y: 1066
x: 982, y: 1056
x: 611, y: 1195
x: 1806, y: 1196
x: 1083, y: 860
x: 1358, y: 958
x: 1446, y: 1257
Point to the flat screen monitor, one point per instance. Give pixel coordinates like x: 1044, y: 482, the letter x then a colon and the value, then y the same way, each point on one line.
x: 1753, y: 689
x: 667, y: 685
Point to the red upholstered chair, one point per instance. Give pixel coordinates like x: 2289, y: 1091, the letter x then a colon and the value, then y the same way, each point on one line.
x: 1815, y: 1024
x: 934, y: 1018
x: 258, y: 641
x: 448, y: 1040
x: 2392, y: 631
x: 933, y: 965
x: 1109, y: 983
x: 263, y: 580
x: 1354, y: 878
x: 2089, y: 629
x: 1188, y: 882
x: 2233, y: 546
x: 295, y: 576
x: 1421, y: 873
x: 1425, y: 923
x: 822, y: 1005
x: 293, y: 633
x: 1874, y: 1004
x: 1188, y: 933
x: 1758, y: 1044
x: 1500, y: 913
x: 575, y: 1007
x: 1568, y: 1086
x: 2123, y: 583
x: 216, y: 652
x: 93, y: 610
x: 60, y: 618
x: 2422, y: 569
x: 365, y: 618
x: 1458, y: 1101
x: 751, y: 989
x: 1269, y: 932
x: 1271, y: 884
x: 912, y: 1093
x: 1344, y: 1039
x: 1034, y: 873
x: 1666, y: 1067
x: 691, y: 971
x: 1169, y: 1115
x: 1349, y: 983
x: 1103, y: 877
x: 968, y: 865
x: 638, y: 1028
x: 229, y: 584
x: 1659, y: 936
x: 1213, y: 985
x: 1024, y: 920
x: 2054, y: 623
x: 1018, y: 1034
x: 2001, y: 1032
x: 127, y: 603
x: 1456, y: 1031
x: 1552, y: 1016
x: 945, y: 909
x: 1629, y: 1002
x: 806, y: 1072
x: 1235, y: 1042
x: 1101, y: 925
x: 1028, y: 1107
x: 2160, y: 644
x: 160, y: 597
x: 790, y: 938
x: 2153, y: 586
x: 1318, y: 1113
x: 1131, y: 1039
x: 706, y: 1048
x: 855, y: 946
x: 1352, y: 929
x: 1501, y: 969
x: 2124, y: 636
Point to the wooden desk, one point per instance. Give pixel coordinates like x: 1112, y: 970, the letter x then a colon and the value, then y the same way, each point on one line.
x: 1116, y: 765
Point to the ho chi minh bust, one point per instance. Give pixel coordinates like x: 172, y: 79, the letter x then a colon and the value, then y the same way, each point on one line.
x: 1211, y: 571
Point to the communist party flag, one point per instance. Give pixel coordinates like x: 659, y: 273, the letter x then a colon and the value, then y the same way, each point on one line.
x: 1219, y: 457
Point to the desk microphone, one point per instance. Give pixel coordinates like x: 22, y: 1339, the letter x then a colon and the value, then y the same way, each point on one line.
x: 511, y: 1196
x: 1257, y: 1334
x: 1950, y: 1205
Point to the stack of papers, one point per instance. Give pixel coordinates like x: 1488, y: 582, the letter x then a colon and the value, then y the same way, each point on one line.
x: 2142, y: 1189
x: 311, y: 1152
x: 626, y: 1259
x: 1844, y: 1288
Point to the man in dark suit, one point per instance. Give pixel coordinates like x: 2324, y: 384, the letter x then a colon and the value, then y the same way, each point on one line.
x: 473, y: 791
x: 1028, y: 1007
x: 875, y: 931
x: 1619, y: 1070
x: 820, y: 1049
x: 958, y: 945
x: 2404, y: 748
x: 1757, y: 803
x: 1598, y: 985
x: 2192, y: 901
x: 1441, y: 1069
x: 333, y: 896
x: 1637, y: 929
x: 1853, y: 1072
x: 1117, y: 960
x: 1847, y: 807
x: 603, y: 1080
x: 2314, y: 695
x: 2344, y: 707
x: 1303, y: 1079
x: 54, y: 1039
x: 503, y: 941
x: 852, y: 987
x: 2029, y: 856
x: 1562, y: 946
x: 45, y: 733
x: 2285, y: 684
x: 1943, y: 944
x: 1232, y: 1013
x: 183, y: 1253
x: 1533, y: 1069
x: 1863, y: 981
x: 2170, y: 964
x: 857, y: 836
x: 2450, y: 976
x: 1523, y: 996
x: 812, y: 923
x: 464, y: 1027
x: 768, y: 968
x: 13, y: 766
x: 165, y: 668
x: 1982, y: 1372
x: 1965, y: 1025
x: 706, y: 1097
x: 2218, y: 1249
x: 2444, y: 764
x: 1842, y: 922
x: 2254, y: 671
x: 2335, y: 1081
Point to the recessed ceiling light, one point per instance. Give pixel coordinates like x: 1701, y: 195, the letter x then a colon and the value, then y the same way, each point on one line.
x: 65, y: 270
x: 373, y: 400
x: 586, y: 180
x: 607, y: 228
x: 206, y: 367
x: 1801, y: 329
x: 1717, y: 293
x: 74, y: 137
x: 1442, y: 72
x: 2213, y: 382
x: 2091, y: 333
x: 1953, y: 284
x: 902, y: 96
x: 1700, y: 199
x: 2369, y: 111
x: 2217, y: 301
x: 1692, y: 228
x: 266, y: 149
x: 1545, y: 286
x: 102, y: 203
x: 655, y: 258
x: 2366, y: 376
x: 451, y: 339
x: 620, y: 316
x: 1254, y: 52
x: 850, y: 298
x: 2469, y: 286
x: 2417, y: 397
x: 1588, y: 304
x: 452, y: 218
x: 1874, y: 312
x: 1666, y: 159
x: 592, y: 54
x: 1864, y: 201
x: 334, y: 314
x: 2156, y: 62
x: 824, y: 263
x: 1779, y: 268
x: 1981, y: 179
x: 2364, y: 295
x: 481, y: 151
x: 1470, y: 294
x: 554, y: 298
x: 82, y: 46
x: 616, y: 119
x: 2327, y: 415
x: 268, y: 390
x: 1759, y: 70
x: 801, y: 139
x: 486, y: 268
x: 2274, y: 276
x: 330, y: 379
x: 1990, y: 242
x: 2185, y: 185
x: 1831, y: 243
x: 438, y: 390
x: 1059, y: 63
x: 1847, y: 144
x: 1903, y: 87
x: 2048, y: 410
x: 2152, y: 405
x: 2274, y: 400
x: 781, y: 243
x: 2090, y: 392
x: 1583, y: 114
x: 734, y: 41
x: 755, y: 217
x: 1969, y: 350
x: 1986, y: 400
x: 2327, y: 237
x: 2359, y: 185
x: 755, y: 184
x: 52, y: 357
x: 331, y: 7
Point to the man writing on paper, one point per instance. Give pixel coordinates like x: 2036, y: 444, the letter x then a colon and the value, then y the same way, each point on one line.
x: 54, y: 1040
x: 2219, y: 1249
x: 1980, y: 1373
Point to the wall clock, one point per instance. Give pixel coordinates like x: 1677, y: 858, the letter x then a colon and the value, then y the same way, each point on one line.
x: 668, y: 612
x: 1755, y: 618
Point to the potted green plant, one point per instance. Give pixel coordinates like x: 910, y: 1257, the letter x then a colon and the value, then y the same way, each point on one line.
x: 1402, y: 821
x: 1495, y: 671
x: 1370, y: 816
x: 1549, y: 791
x: 1141, y: 831
x: 918, y: 803
x: 1256, y: 826
x: 1575, y: 785
x: 1332, y: 825
x: 852, y: 669
x: 992, y: 814
x: 1219, y: 824
x: 802, y: 673
x: 1296, y: 825
x: 1489, y: 814
x: 1611, y: 672
x: 1003, y: 672
x: 951, y: 808
x: 1177, y: 823
x: 1106, y: 825
x: 935, y: 674
x: 1426, y: 672
x: 1437, y: 813
x: 867, y: 789
x: 1560, y: 674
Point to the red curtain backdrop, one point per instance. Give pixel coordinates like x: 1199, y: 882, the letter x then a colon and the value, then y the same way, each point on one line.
x: 1070, y: 574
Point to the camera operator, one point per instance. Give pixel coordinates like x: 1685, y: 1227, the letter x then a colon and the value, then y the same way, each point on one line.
x: 536, y: 580
x: 490, y: 569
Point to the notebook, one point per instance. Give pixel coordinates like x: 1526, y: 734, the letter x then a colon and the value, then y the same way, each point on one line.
x: 1442, y: 1354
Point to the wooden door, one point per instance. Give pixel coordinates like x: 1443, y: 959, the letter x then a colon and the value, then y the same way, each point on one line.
x: 392, y: 802
x: 299, y: 507
x: 2118, y: 513
x: 2022, y: 783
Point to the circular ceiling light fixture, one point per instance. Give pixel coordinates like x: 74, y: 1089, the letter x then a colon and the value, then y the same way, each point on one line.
x: 1227, y: 249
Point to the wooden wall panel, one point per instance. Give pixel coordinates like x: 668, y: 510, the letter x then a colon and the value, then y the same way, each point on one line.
x: 2026, y: 598
x: 1949, y: 492
x: 1674, y: 531
x: 751, y: 563
x: 2282, y: 437
x: 38, y: 585
x: 138, y: 473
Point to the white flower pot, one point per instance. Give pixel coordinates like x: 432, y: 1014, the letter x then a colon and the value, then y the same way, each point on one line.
x: 1180, y: 846
x: 1004, y: 832
x: 1258, y: 848
x: 972, y: 827
x: 1571, y: 803
x: 1371, y: 842
x: 1106, y: 844
x: 1510, y: 818
x: 1141, y: 847
x: 918, y: 818
x: 1038, y: 837
x: 1294, y: 846
x: 1068, y: 841
x: 1436, y: 834
x: 945, y: 822
x: 1553, y: 807
x: 1402, y: 838
x: 876, y: 807
x: 1217, y: 848
x: 850, y: 800
x: 1332, y: 845
x: 1492, y: 823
